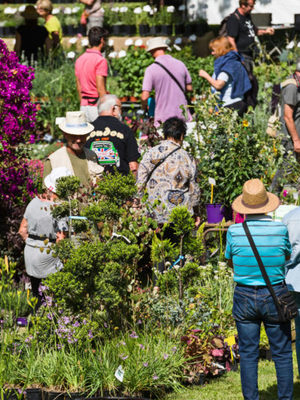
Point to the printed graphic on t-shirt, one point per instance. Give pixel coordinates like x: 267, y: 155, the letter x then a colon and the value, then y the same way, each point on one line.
x: 106, y: 152
x: 250, y: 27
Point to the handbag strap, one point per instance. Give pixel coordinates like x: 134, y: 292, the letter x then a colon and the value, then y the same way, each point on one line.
x: 172, y: 76
x: 159, y: 163
x: 262, y: 268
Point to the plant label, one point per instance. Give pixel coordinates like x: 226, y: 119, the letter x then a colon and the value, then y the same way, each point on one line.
x: 27, y: 286
x: 212, y: 181
x: 295, y: 195
x: 119, y: 374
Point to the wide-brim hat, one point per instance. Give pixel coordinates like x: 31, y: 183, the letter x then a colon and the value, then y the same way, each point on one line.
x: 51, y: 179
x: 75, y: 124
x: 156, y: 43
x: 255, y: 199
x: 30, y: 12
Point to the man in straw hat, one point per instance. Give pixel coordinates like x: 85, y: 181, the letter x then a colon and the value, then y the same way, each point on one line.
x: 81, y: 161
x: 252, y: 301
x: 169, y: 90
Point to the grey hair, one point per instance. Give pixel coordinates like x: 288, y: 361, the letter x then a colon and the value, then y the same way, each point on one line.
x: 107, y: 102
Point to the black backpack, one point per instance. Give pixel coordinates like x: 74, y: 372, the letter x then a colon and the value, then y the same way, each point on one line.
x: 223, y: 25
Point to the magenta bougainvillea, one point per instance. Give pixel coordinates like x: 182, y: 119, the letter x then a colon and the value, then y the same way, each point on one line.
x: 17, y: 120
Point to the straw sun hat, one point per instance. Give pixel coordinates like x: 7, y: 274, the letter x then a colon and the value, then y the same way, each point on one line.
x: 255, y: 199
x: 75, y: 124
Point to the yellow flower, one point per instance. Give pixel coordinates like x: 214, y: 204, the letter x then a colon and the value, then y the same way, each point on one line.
x: 191, y: 306
x: 245, y: 123
x: 116, y: 327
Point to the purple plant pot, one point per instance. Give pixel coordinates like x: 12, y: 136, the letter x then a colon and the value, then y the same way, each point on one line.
x: 214, y: 213
x: 22, y: 321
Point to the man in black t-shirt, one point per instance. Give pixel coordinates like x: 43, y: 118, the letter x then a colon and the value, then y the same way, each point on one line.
x: 241, y: 31
x: 112, y: 140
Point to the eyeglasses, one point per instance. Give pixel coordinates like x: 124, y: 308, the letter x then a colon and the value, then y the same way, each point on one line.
x: 250, y: 5
x: 117, y: 105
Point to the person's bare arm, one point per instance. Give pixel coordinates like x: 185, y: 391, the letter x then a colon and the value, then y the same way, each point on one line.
x: 87, y: 2
x: 291, y: 127
x: 229, y: 261
x: 232, y: 42
x: 78, y: 88
x: 55, y: 39
x: 144, y: 98
x: 267, y: 31
x: 101, y: 85
x: 23, y: 229
x: 133, y: 165
x: 17, y: 47
x: 216, y: 83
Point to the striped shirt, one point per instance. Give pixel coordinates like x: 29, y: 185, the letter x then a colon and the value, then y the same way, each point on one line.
x: 273, y: 245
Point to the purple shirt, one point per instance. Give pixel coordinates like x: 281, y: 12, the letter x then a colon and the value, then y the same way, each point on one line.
x: 168, y: 96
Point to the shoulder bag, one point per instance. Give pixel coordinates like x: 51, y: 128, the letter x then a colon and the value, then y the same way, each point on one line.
x: 285, y: 304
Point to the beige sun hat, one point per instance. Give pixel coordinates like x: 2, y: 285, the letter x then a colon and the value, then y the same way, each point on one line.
x: 30, y: 12
x: 75, y: 123
x: 255, y: 199
x: 156, y: 43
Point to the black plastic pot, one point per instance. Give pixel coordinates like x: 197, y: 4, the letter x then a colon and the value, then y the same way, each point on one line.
x: 51, y: 395
x: 34, y: 394
x: 155, y: 30
x: 201, y: 28
x: 179, y: 29
x: 166, y: 30
x: 144, y: 30
x: 189, y: 30
x: 11, y: 394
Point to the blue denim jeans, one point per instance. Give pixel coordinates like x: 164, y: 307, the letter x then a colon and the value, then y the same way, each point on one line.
x: 251, y: 307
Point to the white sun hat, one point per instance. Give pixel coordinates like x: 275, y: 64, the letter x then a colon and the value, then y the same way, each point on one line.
x: 75, y: 123
x: 156, y: 43
x: 55, y: 174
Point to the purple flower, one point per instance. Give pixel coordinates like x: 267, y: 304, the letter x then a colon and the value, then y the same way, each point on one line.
x: 66, y: 320
x: 155, y: 377
x: 145, y: 364
x: 123, y: 356
x: 90, y: 334
x: 285, y: 193
x: 76, y: 324
x: 174, y: 349
x: 139, y: 322
x: 123, y: 343
x: 49, y: 316
x: 166, y: 356
x: 133, y: 335
x: 141, y: 346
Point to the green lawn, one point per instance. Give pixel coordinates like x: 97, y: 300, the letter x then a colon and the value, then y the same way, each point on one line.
x: 228, y: 387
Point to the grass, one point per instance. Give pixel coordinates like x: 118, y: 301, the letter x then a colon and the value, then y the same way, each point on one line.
x: 228, y: 387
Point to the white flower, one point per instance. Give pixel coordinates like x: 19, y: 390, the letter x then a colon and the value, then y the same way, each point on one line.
x: 137, y: 10
x: 176, y: 47
x: 122, y: 53
x: 67, y: 11
x: 123, y: 9
x: 111, y: 42
x: 22, y: 8
x: 178, y: 40
x: 147, y: 8
x: 298, y: 45
x: 71, y: 54
x: 115, y: 9
x: 75, y: 10
x: 9, y: 10
x: 73, y: 40
x: 290, y: 45
x: 113, y: 54
x: 193, y: 38
x: 128, y: 42
x: 102, y: 10
x: 181, y: 8
x: 138, y: 42
x: 55, y: 11
x: 84, y: 42
x: 170, y: 9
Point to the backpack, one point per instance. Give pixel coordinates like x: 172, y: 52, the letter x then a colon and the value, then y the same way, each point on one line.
x: 223, y: 25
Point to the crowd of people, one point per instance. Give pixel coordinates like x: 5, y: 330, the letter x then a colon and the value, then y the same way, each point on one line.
x: 97, y: 141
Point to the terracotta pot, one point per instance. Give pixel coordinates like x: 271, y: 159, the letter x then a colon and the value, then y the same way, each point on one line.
x: 123, y: 99
x: 133, y: 99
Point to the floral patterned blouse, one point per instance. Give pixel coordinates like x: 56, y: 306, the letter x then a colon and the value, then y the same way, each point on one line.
x: 172, y: 184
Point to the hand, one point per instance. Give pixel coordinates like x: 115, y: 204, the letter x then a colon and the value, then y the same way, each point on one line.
x: 203, y: 74
x: 297, y: 146
x: 270, y: 31
x: 197, y: 221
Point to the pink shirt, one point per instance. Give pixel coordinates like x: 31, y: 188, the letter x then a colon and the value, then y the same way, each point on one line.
x: 87, y: 67
x: 168, y: 96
